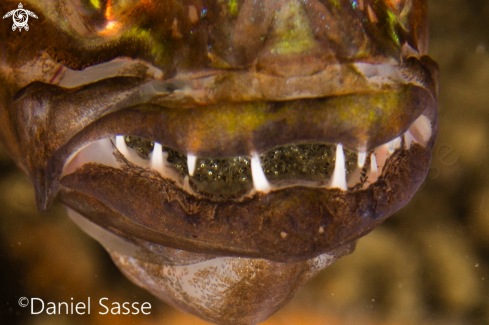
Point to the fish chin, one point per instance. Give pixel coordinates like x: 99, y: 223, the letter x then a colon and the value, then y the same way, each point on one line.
x: 222, y: 290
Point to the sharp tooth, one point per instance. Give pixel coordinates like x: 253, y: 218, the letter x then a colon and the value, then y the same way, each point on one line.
x: 381, y: 154
x: 191, y: 161
x: 339, y: 173
x: 373, y: 164
x: 121, y: 145
x: 408, y: 139
x: 374, y: 169
x: 129, y: 153
x: 260, y: 182
x: 361, y: 158
x: 158, y: 159
x: 421, y: 130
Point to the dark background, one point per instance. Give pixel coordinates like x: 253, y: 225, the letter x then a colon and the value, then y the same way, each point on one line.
x: 428, y: 264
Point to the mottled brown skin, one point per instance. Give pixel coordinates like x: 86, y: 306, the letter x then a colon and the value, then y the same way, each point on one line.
x: 341, y: 32
x: 266, y: 287
x: 229, y: 85
x: 128, y: 199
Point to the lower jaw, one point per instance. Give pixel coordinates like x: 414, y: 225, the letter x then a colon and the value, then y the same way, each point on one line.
x: 222, y: 290
x: 287, y: 225
x: 235, y: 261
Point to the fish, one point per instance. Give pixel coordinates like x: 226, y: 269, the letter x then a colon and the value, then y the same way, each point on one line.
x: 222, y: 152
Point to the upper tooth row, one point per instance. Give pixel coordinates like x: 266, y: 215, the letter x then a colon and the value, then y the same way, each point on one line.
x: 419, y: 132
x: 158, y: 162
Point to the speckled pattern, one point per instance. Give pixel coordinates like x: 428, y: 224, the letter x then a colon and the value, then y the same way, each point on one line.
x: 226, y: 290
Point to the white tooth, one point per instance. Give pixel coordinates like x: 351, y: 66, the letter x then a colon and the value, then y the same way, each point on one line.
x: 408, y: 139
x: 260, y: 182
x: 373, y: 173
x: 158, y: 159
x: 191, y: 161
x: 128, y: 153
x: 362, y: 155
x: 121, y: 145
x: 339, y: 173
x: 394, y: 144
x: 373, y: 164
x: 381, y: 154
x: 421, y: 130
x: 374, y: 169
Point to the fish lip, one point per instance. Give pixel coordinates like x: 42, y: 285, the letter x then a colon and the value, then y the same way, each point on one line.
x: 135, y: 92
x: 123, y: 121
x: 404, y: 172
x: 211, y: 229
x: 46, y: 162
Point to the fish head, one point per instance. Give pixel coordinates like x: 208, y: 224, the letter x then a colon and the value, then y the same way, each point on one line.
x: 224, y: 144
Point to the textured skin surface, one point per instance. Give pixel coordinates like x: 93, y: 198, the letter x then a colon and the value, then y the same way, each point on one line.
x: 251, y: 227
x: 245, y: 291
x: 219, y: 79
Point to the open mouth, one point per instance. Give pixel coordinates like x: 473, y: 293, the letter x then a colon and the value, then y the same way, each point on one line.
x: 186, y: 163
x: 311, y: 165
x: 287, y: 203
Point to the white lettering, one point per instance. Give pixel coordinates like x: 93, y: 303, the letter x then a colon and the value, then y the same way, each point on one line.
x: 135, y: 308
x: 125, y: 308
x: 32, y: 306
x: 59, y: 308
x: 82, y: 306
x: 101, y: 304
x: 51, y: 310
x: 117, y: 308
x: 143, y: 306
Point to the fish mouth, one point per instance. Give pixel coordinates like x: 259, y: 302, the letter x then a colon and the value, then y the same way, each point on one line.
x: 320, y: 165
x: 285, y: 179
x: 244, y: 208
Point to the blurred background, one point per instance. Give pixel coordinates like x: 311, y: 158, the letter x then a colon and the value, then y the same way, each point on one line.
x: 427, y: 264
